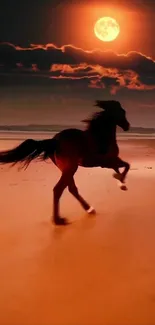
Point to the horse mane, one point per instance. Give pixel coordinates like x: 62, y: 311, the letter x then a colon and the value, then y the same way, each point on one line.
x: 94, y: 119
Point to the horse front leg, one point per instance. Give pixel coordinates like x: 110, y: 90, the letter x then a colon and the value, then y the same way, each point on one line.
x: 121, y: 176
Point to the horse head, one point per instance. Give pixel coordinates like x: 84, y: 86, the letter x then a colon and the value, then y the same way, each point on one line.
x: 114, y: 111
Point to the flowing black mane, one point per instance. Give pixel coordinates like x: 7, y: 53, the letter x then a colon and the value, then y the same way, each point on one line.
x: 95, y: 120
x: 112, y: 114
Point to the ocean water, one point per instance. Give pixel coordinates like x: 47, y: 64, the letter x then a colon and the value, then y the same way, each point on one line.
x: 22, y: 135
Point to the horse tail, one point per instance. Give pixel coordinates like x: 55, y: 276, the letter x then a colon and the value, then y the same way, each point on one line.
x: 27, y: 151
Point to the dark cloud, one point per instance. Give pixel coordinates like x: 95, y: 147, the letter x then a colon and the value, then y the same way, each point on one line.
x: 100, y: 68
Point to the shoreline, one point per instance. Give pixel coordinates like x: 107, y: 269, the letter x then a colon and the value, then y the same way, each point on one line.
x: 21, y: 135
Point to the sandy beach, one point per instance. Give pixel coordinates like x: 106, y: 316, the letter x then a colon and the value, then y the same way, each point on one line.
x: 99, y: 270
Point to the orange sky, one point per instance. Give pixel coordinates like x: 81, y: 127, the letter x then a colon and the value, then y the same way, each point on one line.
x: 77, y: 28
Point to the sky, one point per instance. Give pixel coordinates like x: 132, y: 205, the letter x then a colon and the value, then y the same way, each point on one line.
x: 53, y: 67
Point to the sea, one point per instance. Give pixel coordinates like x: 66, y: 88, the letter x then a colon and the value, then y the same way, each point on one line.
x: 38, y: 134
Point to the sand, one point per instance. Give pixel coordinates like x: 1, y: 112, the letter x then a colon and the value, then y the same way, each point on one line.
x: 96, y: 271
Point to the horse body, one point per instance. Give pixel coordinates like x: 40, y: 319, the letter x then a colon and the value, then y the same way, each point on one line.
x: 95, y: 146
x: 88, y: 147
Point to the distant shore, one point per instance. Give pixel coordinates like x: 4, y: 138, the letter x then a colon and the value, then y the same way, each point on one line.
x: 59, y: 127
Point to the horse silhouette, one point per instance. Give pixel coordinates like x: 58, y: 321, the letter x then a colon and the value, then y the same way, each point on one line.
x: 95, y: 146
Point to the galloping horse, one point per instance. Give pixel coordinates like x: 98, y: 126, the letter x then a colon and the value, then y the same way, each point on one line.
x: 96, y: 146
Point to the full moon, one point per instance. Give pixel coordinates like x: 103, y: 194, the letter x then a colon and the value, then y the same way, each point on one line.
x: 106, y: 29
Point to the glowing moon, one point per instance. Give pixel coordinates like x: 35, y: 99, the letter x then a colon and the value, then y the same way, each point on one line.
x: 106, y: 29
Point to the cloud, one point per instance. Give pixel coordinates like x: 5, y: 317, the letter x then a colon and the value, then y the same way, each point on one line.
x: 100, y: 69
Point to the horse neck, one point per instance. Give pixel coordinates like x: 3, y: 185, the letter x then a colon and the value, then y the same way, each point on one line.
x: 103, y: 134
x: 106, y: 130
x: 110, y: 132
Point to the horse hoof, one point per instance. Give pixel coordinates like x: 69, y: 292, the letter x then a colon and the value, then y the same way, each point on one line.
x: 61, y: 221
x: 123, y: 188
x: 91, y: 210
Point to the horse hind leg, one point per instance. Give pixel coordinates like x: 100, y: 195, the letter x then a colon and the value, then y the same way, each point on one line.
x: 63, y: 182
x: 74, y: 191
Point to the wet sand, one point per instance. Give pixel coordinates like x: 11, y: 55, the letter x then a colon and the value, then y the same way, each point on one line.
x: 97, y: 271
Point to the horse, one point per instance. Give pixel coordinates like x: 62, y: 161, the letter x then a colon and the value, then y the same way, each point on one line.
x: 95, y: 146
